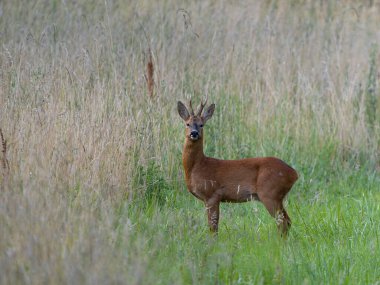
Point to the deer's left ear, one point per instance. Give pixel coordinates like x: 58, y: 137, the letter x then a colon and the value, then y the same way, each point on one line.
x: 207, y: 114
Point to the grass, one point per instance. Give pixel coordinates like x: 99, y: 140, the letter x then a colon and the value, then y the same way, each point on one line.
x: 91, y: 182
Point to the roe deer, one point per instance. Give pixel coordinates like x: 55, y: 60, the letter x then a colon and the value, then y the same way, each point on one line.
x: 266, y: 179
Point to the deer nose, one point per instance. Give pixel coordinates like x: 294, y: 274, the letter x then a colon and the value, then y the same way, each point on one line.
x: 194, y: 134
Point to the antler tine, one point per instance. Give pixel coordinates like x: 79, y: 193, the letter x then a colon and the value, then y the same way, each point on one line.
x: 191, y: 108
x: 202, y: 106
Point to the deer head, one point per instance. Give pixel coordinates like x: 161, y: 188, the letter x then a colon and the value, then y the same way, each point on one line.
x: 195, y: 122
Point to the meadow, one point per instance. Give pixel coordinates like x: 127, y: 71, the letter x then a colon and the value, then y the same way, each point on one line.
x: 92, y: 189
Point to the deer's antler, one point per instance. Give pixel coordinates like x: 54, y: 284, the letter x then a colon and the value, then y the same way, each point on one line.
x: 191, y: 108
x: 200, y: 109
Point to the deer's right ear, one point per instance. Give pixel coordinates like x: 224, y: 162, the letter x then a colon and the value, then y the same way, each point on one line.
x: 182, y: 111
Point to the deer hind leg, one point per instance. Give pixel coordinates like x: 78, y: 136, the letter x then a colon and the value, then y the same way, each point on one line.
x: 277, y: 211
x: 213, y: 215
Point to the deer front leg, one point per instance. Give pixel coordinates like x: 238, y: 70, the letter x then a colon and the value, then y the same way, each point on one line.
x: 212, y: 208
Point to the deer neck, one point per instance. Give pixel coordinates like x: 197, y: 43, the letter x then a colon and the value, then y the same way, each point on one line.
x: 192, y: 154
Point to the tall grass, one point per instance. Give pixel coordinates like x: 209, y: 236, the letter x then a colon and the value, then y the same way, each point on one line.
x: 94, y: 192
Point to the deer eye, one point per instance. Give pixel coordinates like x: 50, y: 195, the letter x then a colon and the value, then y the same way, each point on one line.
x: 201, y: 126
x: 188, y: 125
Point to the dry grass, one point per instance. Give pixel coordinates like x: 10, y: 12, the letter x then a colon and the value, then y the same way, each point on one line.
x: 289, y: 78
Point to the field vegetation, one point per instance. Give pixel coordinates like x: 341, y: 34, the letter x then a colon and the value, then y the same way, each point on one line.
x: 91, y: 182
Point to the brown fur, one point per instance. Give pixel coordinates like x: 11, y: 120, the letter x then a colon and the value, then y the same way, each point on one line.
x: 267, y: 179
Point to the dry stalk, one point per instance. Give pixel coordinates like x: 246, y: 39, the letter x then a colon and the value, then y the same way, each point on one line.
x: 4, y: 160
x: 187, y: 21
x: 149, y: 75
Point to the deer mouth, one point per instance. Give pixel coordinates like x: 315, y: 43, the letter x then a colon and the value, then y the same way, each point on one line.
x: 194, y: 137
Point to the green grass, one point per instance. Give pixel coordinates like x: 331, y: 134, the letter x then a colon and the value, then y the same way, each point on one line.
x: 95, y: 190
x: 334, y: 240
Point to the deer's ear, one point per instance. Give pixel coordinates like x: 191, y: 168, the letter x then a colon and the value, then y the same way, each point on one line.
x: 207, y: 114
x: 182, y: 111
